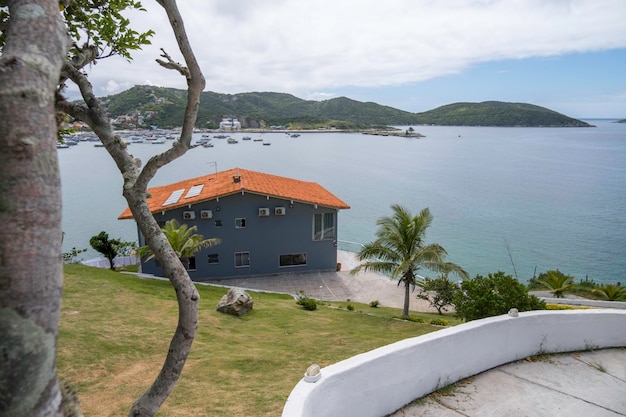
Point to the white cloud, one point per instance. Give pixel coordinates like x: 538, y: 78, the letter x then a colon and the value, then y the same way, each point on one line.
x: 303, y: 47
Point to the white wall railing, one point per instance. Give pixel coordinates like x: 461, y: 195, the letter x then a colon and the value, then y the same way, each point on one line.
x: 117, y: 261
x: 381, y: 381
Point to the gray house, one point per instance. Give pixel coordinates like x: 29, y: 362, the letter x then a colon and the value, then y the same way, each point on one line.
x: 267, y: 224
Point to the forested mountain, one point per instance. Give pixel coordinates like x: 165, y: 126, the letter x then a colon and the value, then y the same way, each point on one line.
x: 496, y: 113
x: 143, y: 106
x: 164, y: 107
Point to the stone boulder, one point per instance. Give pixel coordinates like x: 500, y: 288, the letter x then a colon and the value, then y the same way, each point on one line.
x: 235, y: 302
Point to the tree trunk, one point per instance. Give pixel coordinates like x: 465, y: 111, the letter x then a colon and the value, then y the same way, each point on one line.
x: 30, y: 210
x: 407, y: 294
x: 135, y: 191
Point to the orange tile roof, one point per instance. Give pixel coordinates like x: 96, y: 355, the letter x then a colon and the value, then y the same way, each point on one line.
x: 223, y: 183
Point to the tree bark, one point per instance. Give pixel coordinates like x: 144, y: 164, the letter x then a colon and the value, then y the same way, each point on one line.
x: 30, y: 209
x: 186, y: 293
x: 407, y: 294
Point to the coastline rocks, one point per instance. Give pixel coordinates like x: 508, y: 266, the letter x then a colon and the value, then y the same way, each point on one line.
x: 235, y: 302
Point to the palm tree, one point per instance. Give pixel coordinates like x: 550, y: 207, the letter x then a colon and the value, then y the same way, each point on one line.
x: 184, y: 241
x: 556, y: 282
x: 400, y: 250
x: 610, y: 292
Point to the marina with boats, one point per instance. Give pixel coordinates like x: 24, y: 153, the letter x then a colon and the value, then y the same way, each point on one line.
x: 205, y: 140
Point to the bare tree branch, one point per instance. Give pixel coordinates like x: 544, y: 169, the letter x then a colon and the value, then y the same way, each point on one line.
x: 170, y: 64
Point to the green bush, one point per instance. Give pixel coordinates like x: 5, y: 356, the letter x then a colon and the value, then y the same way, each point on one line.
x: 350, y: 307
x: 556, y: 282
x: 307, y: 303
x: 374, y: 303
x: 439, y: 292
x: 439, y: 322
x: 586, y: 284
x: 410, y: 318
x: 493, y: 295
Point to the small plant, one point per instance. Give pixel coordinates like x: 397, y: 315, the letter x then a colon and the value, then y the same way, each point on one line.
x: 598, y: 366
x: 70, y: 257
x: 563, y: 307
x: 410, y: 318
x: 350, y: 307
x: 610, y: 292
x: 374, y: 303
x: 556, y: 282
x: 586, y: 283
x: 307, y: 303
x: 439, y: 322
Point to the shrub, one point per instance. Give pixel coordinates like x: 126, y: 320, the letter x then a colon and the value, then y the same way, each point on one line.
x: 374, y: 303
x: 350, y: 307
x: 586, y: 284
x: 410, y: 318
x: 439, y: 292
x: 307, y: 303
x: 439, y: 322
x: 556, y: 282
x: 610, y: 292
x: 71, y: 256
x: 493, y: 295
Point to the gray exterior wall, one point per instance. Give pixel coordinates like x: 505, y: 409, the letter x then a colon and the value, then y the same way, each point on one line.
x: 265, y: 238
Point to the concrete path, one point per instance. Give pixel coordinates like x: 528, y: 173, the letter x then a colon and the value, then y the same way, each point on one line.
x: 582, y: 384
x: 334, y: 286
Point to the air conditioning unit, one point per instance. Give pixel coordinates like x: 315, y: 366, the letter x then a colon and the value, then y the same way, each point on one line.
x: 206, y: 214
x: 279, y: 211
x: 264, y: 212
x: 189, y: 215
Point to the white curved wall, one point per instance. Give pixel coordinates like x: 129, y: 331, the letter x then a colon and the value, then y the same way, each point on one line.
x: 379, y: 382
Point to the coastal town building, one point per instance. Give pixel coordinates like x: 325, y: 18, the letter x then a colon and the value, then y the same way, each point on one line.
x: 230, y: 124
x: 267, y: 224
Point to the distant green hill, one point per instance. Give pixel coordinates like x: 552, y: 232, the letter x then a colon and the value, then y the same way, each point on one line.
x: 165, y: 106
x: 497, y: 113
x: 147, y: 105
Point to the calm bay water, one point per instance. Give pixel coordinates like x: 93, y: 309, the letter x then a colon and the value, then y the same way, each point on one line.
x: 518, y: 200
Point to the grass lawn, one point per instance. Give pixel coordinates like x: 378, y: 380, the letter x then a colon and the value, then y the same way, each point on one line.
x: 116, y: 328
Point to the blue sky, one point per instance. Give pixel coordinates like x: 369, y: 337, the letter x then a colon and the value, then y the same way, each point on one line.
x: 581, y: 85
x: 415, y: 55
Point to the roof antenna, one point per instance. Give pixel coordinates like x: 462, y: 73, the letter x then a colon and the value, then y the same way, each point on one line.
x: 215, y: 165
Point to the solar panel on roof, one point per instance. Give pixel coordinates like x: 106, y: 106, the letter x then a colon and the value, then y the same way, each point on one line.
x: 194, y: 191
x: 174, y: 197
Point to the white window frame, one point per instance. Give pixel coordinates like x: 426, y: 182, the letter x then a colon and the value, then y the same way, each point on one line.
x: 238, y: 257
x: 324, y: 231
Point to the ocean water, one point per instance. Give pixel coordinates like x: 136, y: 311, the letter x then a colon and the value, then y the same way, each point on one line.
x: 518, y: 200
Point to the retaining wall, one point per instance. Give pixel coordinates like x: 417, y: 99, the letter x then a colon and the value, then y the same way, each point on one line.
x: 381, y: 381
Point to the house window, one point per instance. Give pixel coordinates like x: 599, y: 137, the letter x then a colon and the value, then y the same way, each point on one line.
x: 240, y: 223
x: 323, y: 226
x: 242, y: 259
x: 191, y: 263
x: 218, y: 223
x: 214, y: 258
x: 293, y: 259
